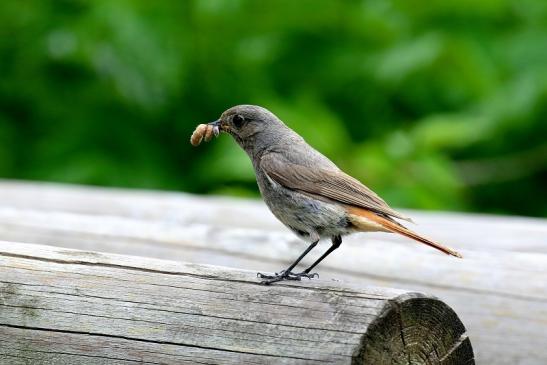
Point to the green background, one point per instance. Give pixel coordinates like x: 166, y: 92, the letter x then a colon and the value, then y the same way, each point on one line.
x: 433, y: 104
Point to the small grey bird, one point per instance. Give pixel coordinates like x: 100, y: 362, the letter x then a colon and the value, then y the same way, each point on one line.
x: 305, y: 190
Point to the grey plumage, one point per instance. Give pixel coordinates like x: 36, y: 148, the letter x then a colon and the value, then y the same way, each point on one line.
x: 304, y: 189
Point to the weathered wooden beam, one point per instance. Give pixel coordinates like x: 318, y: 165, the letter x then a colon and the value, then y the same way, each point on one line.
x: 499, y: 290
x: 60, y: 306
x: 463, y: 231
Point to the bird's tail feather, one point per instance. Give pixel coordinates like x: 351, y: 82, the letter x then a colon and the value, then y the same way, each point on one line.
x: 364, y: 219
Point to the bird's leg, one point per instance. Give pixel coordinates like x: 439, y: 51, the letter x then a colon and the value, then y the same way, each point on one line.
x: 336, y: 242
x: 287, y: 274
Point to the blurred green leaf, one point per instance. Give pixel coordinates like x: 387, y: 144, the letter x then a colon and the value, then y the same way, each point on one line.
x: 434, y: 104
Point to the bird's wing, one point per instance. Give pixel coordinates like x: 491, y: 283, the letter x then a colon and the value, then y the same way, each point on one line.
x: 328, y: 183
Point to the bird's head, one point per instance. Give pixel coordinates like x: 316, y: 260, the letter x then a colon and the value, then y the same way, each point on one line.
x: 253, y: 127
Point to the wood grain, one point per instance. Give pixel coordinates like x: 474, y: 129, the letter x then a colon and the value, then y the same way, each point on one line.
x: 60, y: 306
x: 499, y: 289
x: 464, y: 231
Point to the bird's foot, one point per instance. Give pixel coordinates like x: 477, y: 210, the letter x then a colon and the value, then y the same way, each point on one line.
x: 285, y: 275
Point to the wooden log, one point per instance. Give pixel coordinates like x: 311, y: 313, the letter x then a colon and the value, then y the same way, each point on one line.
x: 499, y: 290
x: 60, y: 306
x: 464, y: 231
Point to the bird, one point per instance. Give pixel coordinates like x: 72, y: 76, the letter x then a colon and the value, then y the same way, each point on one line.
x: 306, y: 191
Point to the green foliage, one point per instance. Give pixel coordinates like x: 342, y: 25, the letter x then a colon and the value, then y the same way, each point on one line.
x: 433, y: 104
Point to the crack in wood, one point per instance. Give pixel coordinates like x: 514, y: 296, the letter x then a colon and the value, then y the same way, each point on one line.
x: 216, y: 292
x: 190, y: 313
x: 454, y: 347
x: 331, y: 290
x: 159, y: 342
x: 202, y: 327
x: 75, y: 354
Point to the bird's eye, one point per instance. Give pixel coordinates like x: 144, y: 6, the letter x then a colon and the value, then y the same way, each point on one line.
x: 238, y: 120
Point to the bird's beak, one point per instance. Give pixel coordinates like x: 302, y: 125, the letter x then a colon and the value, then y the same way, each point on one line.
x: 217, y: 127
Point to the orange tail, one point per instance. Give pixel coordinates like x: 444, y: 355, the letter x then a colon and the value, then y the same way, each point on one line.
x: 369, y: 221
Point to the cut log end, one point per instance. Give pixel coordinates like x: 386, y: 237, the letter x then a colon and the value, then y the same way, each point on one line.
x: 416, y: 329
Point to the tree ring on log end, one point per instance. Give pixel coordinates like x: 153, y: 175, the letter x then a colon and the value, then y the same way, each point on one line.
x: 415, y: 329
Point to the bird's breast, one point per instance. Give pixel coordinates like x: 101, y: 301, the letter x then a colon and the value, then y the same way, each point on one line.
x: 307, y: 217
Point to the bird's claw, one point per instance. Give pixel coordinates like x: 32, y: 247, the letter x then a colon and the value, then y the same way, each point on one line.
x: 285, y: 275
x: 263, y: 276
